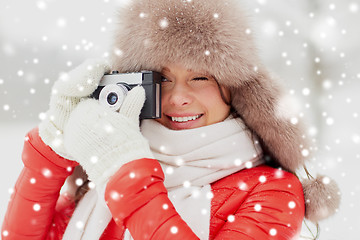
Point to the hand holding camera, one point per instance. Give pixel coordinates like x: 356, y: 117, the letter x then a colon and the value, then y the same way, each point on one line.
x: 102, y: 140
x: 67, y: 92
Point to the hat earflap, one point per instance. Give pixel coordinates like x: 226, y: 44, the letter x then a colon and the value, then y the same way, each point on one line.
x: 258, y: 101
x: 322, y: 197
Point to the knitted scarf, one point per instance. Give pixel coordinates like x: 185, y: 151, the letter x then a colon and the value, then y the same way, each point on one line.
x: 191, y: 160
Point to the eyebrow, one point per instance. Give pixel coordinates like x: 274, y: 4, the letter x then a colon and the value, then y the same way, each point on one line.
x: 166, y: 69
x: 188, y: 70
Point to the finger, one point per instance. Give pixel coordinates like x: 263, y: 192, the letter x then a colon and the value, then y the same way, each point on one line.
x: 133, y: 103
x: 83, y: 80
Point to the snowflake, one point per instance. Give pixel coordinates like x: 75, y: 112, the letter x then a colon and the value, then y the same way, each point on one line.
x: 279, y: 173
x: 42, y: 116
x: 169, y: 170
x: 306, y: 91
x: 257, y: 207
x: 262, y: 179
x: 195, y: 193
x: 46, y: 172
x: 174, y: 230
x: 329, y: 121
x: 79, y: 182
x: 248, y: 164
x: 20, y: 73
x: 6, y: 107
x: 5, y: 233
x: 326, y: 180
x: 164, y: 23
x: 41, y: 5
x: 305, y: 152
x: 231, y: 218
x: 36, y: 207
x: 162, y: 148
x: 243, y: 186
x: 356, y: 138
x: 79, y: 224
x: 91, y: 185
x: 353, y: 7
x: 237, y: 162
x: 115, y: 195
x: 273, y: 232
x: 61, y: 22
x: 179, y: 161
x: 292, y: 204
x: 187, y: 184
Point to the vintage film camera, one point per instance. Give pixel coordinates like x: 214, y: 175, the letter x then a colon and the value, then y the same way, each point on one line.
x: 113, y: 89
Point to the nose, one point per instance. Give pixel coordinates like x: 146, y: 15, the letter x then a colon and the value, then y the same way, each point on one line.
x: 180, y: 96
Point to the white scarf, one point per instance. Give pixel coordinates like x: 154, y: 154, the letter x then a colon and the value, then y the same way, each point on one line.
x: 191, y: 160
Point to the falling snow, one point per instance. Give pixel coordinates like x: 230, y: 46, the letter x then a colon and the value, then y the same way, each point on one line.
x: 314, y: 51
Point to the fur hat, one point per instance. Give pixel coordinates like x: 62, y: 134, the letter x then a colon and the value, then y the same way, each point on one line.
x: 213, y: 36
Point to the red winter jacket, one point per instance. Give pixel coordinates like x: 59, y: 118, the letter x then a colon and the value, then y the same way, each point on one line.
x: 258, y: 209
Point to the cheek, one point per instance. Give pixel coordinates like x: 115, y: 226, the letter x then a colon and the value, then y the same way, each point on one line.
x: 211, y: 99
x: 217, y: 109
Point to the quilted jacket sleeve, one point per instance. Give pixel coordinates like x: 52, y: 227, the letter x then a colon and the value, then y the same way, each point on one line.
x: 257, y: 203
x: 31, y: 210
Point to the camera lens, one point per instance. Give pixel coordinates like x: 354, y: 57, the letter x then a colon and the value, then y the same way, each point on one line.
x: 112, y: 98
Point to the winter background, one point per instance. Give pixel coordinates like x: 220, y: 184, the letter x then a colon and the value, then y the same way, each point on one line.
x: 312, y: 45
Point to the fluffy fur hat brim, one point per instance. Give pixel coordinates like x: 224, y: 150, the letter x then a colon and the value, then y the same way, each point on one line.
x: 207, y: 36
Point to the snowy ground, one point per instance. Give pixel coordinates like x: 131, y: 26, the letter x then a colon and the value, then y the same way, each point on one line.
x: 312, y: 45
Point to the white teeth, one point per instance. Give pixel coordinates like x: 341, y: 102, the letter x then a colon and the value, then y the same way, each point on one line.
x: 185, y: 119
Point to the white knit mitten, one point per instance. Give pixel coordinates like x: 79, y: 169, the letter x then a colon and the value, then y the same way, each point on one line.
x: 102, y: 140
x: 66, y: 94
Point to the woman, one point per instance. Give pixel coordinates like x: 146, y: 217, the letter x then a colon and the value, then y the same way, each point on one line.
x: 200, y: 171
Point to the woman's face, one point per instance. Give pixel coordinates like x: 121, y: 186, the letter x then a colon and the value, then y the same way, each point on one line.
x: 191, y: 99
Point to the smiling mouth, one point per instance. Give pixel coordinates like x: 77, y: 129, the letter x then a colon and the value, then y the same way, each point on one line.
x: 185, y: 119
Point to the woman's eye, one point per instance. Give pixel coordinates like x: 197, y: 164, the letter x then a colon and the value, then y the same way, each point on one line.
x: 164, y: 79
x: 200, y: 79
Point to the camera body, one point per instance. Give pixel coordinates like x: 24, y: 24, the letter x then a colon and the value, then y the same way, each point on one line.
x: 113, y: 89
